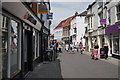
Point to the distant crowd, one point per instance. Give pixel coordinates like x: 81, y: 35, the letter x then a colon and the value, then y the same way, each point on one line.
x: 70, y: 48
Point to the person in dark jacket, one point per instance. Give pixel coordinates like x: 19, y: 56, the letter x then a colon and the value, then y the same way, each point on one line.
x: 106, y: 50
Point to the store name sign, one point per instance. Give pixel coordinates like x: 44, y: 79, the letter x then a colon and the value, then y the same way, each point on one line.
x: 102, y: 21
x: 30, y: 18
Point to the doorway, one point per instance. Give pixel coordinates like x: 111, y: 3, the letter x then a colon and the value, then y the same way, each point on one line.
x: 27, y: 50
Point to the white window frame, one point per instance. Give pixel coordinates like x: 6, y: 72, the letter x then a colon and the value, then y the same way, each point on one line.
x: 9, y: 46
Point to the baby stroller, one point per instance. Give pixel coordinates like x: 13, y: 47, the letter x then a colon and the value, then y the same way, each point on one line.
x: 102, y: 53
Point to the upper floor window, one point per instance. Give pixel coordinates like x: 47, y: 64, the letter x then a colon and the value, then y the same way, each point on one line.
x: 100, y: 15
x: 75, y: 30
x: 107, y: 1
x: 118, y: 11
x: 109, y: 16
x: 100, y: 4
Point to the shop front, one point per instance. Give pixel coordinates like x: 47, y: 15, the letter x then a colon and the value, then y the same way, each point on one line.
x: 20, y: 39
x: 113, y: 33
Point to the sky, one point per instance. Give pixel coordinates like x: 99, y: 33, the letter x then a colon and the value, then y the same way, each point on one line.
x: 63, y: 10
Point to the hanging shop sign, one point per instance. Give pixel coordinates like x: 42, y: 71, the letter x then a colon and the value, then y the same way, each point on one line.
x: 30, y: 18
x: 50, y: 16
x: 43, y: 9
x: 102, y: 21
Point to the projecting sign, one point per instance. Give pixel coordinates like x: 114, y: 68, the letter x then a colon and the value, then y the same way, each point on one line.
x: 50, y: 16
x: 102, y: 21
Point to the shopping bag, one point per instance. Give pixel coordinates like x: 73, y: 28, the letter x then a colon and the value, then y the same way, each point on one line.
x: 92, y: 54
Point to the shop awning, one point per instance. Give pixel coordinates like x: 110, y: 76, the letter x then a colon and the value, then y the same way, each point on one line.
x: 112, y: 29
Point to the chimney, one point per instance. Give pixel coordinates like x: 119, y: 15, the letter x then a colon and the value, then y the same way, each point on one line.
x: 76, y: 13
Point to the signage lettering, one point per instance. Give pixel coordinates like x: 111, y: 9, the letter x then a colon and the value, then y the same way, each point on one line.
x: 50, y: 16
x: 30, y: 18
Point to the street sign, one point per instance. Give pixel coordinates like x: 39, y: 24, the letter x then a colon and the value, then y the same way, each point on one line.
x: 50, y: 16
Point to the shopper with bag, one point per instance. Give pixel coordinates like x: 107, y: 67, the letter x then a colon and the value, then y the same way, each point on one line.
x: 106, y: 50
x: 81, y: 47
x: 95, y: 51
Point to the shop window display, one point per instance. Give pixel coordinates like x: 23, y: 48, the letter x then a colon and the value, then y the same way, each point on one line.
x: 116, y: 45
x: 35, y: 44
x: 4, y: 45
x: 14, y: 46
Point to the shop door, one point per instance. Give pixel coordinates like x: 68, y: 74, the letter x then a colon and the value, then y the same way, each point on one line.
x: 28, y: 51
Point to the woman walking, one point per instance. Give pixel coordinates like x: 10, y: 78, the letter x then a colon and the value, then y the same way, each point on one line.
x: 81, y: 47
x: 66, y: 47
x: 106, y: 50
x: 95, y: 51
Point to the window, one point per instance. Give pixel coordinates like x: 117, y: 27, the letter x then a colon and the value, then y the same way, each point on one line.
x: 100, y: 15
x: 100, y: 4
x: 109, y: 16
x: 35, y: 44
x: 75, y: 30
x: 14, y: 47
x: 4, y: 45
x: 118, y: 11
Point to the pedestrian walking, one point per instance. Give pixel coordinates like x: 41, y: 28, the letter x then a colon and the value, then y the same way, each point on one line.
x: 71, y: 47
x: 106, y: 50
x: 60, y: 47
x: 95, y: 51
x: 54, y: 51
x: 66, y: 47
x: 77, y: 46
x: 81, y: 47
x: 92, y: 53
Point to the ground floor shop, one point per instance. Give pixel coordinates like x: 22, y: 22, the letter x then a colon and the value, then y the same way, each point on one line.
x: 94, y: 37
x: 113, y: 37
x: 114, y: 43
x: 22, y: 41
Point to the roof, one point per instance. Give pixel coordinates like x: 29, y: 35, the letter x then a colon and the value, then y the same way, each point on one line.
x: 91, y: 5
x: 64, y: 23
x: 83, y: 13
x: 60, y: 24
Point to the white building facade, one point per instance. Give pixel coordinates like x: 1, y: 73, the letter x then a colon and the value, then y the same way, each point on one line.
x: 58, y: 33
x: 77, y: 30
x: 103, y: 25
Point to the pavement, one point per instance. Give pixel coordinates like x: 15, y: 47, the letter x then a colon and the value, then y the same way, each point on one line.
x: 46, y: 70
x: 77, y: 66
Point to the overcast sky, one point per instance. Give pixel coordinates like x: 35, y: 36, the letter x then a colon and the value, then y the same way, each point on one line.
x: 63, y: 10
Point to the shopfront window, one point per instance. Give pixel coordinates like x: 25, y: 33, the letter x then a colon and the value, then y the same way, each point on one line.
x: 14, y: 46
x: 35, y: 44
x: 4, y: 45
x: 116, y: 44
